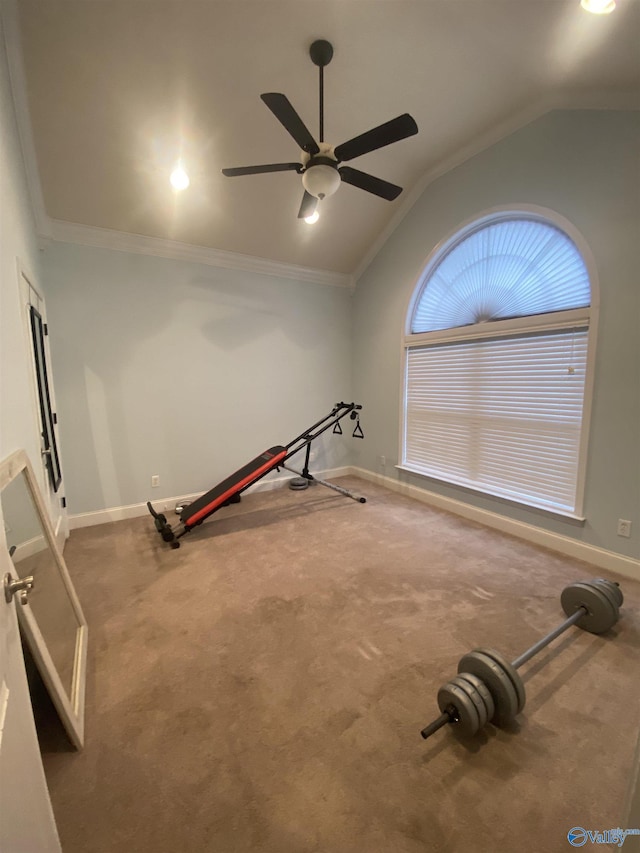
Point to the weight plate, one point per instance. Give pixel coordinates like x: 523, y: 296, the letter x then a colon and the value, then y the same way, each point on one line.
x: 602, y: 613
x: 483, y: 692
x: 505, y: 698
x: 612, y: 588
x: 512, y: 672
x: 475, y: 697
x: 466, y: 717
x: 605, y: 590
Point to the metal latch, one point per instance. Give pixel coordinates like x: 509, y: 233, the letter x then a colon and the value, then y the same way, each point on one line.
x: 22, y: 586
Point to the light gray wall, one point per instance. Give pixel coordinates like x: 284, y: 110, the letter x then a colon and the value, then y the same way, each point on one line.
x: 584, y: 166
x: 18, y: 430
x: 18, y: 421
x: 185, y: 370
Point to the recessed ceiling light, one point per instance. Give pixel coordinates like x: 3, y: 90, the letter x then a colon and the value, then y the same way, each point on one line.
x: 313, y: 218
x: 598, y: 7
x: 179, y: 178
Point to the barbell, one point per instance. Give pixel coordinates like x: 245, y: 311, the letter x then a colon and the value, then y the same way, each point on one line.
x: 488, y: 687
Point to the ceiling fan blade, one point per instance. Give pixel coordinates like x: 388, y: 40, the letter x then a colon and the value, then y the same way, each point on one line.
x: 257, y: 170
x: 367, y: 182
x: 290, y: 120
x: 308, y: 206
x: 391, y: 131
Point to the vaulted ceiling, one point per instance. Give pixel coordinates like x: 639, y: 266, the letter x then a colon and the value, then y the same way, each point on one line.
x: 117, y: 90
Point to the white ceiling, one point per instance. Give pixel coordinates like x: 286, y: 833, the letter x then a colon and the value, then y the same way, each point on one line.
x: 116, y: 90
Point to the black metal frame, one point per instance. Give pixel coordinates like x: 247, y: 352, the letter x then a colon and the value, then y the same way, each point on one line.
x: 47, y: 416
x: 339, y: 411
x: 171, y: 534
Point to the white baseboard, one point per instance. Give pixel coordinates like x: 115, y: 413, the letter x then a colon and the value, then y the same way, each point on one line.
x: 608, y: 560
x: 119, y: 513
x: 30, y: 548
x: 39, y: 543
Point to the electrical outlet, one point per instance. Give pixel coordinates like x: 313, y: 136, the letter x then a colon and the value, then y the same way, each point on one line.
x: 155, y: 480
x: 383, y: 461
x: 624, y: 527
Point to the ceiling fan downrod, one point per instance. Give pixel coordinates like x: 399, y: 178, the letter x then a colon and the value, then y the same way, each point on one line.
x: 321, y: 53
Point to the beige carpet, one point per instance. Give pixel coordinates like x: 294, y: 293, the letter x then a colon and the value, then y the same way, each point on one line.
x: 264, y: 686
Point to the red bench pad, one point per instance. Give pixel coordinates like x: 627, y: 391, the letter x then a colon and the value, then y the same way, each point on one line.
x: 213, y: 499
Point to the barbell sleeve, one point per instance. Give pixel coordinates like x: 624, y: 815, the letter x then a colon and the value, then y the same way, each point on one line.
x: 433, y: 727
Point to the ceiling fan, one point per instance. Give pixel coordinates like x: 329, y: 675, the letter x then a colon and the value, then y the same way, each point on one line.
x: 320, y: 162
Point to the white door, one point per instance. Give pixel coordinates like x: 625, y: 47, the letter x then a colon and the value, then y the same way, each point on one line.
x: 27, y: 824
x: 51, y: 618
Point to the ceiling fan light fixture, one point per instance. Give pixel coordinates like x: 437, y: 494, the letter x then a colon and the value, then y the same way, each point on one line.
x: 179, y: 178
x: 311, y: 220
x: 321, y: 181
x: 598, y: 7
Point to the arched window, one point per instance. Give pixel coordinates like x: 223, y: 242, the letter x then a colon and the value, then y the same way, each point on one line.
x: 496, y: 357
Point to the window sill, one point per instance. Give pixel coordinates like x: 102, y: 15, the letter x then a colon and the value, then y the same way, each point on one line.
x: 558, y: 513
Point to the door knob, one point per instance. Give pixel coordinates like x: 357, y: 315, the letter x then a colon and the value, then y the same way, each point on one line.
x: 22, y: 586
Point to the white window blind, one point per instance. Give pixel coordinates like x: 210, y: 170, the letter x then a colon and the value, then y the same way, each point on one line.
x: 502, y: 415
x: 514, y: 267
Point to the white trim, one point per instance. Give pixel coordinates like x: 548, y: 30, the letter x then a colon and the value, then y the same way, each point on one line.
x: 119, y: 513
x: 157, y: 247
x: 33, y: 546
x: 608, y: 560
x: 571, y: 318
x: 29, y: 548
x: 539, y: 507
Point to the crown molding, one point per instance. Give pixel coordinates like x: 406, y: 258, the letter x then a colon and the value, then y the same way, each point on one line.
x: 598, y: 99
x: 120, y: 241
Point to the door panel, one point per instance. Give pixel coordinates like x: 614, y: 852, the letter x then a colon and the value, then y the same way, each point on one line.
x: 51, y: 618
x: 26, y: 819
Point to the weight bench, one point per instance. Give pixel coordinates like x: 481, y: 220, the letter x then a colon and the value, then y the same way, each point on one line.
x: 229, y: 491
